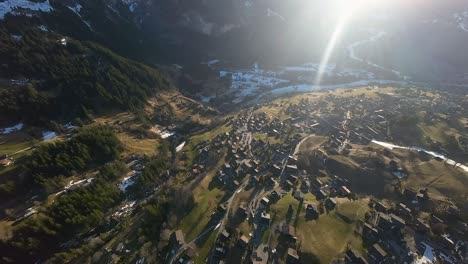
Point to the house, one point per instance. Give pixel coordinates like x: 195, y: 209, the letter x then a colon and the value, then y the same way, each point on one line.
x: 225, y: 235
x: 377, y: 253
x: 265, y: 201
x: 344, y: 191
x: 265, y: 219
x: 422, y: 226
x: 330, y: 203
x: 177, y: 239
x: 312, y: 210
x: 369, y: 232
x: 353, y: 257
x: 274, y: 196
x: 289, y: 184
x: 397, y: 221
x: 120, y: 247
x: 188, y: 255
x: 384, y: 221
x: 380, y: 207
x: 292, y: 169
x: 288, y: 231
x: 410, y: 194
x: 321, y: 194
x: 293, y: 257
x: 404, y: 211
x: 244, y: 241
x: 317, y: 183
x: 5, y: 162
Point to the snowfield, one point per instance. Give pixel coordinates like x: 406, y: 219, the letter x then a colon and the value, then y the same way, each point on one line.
x: 48, y: 135
x: 462, y: 20
x: 8, y: 130
x: 10, y: 6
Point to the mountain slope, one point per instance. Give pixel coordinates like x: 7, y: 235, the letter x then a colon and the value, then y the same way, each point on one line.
x: 61, y: 77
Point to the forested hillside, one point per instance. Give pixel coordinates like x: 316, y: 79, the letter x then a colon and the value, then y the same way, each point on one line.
x: 63, y: 78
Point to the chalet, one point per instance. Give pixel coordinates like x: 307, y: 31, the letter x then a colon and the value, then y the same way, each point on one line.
x: 380, y: 207
x: 447, y: 242
x: 317, y: 183
x: 235, y: 184
x: 293, y: 257
x: 422, y: 226
x: 292, y: 169
x: 274, y: 196
x: 224, y: 236
x: 289, y: 184
x: 221, y: 209
x: 403, y: 210
x: 292, y: 178
x: 384, y: 221
x: 330, y: 203
x: 353, y: 257
x: 188, y: 255
x: 377, y: 253
x: 244, y: 241
x: 253, y: 180
x: 5, y: 162
x: 397, y: 221
x: 220, y: 252
x: 321, y: 194
x: 312, y: 210
x: 177, y: 239
x: 344, y: 191
x: 120, y: 247
x: 246, y: 167
x: 292, y: 160
x: 265, y: 219
x: 305, y: 186
x: 270, y: 181
x: 265, y: 201
x: 369, y: 232
x: 410, y: 194
x: 275, y: 169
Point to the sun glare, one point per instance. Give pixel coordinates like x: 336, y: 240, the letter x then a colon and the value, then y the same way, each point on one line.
x: 344, y: 10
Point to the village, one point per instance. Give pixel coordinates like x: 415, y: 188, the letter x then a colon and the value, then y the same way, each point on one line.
x: 309, y: 178
x: 264, y: 158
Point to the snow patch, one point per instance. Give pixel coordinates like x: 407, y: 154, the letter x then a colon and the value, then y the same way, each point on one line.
x: 128, y: 181
x: 8, y: 130
x: 432, y: 153
x: 17, y: 37
x: 48, y: 135
x: 76, y: 9
x: 462, y: 20
x: 12, y: 6
x: 180, y: 147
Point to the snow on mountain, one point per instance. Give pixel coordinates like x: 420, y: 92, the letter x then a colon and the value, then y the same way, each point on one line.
x: 76, y: 9
x: 13, y: 6
x: 462, y: 20
x: 132, y: 4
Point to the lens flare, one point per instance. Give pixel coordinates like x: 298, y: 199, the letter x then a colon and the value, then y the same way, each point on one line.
x: 345, y: 10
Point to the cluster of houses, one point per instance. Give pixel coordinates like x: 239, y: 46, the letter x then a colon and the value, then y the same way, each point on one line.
x: 395, y: 233
x: 5, y: 161
x: 271, y: 166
